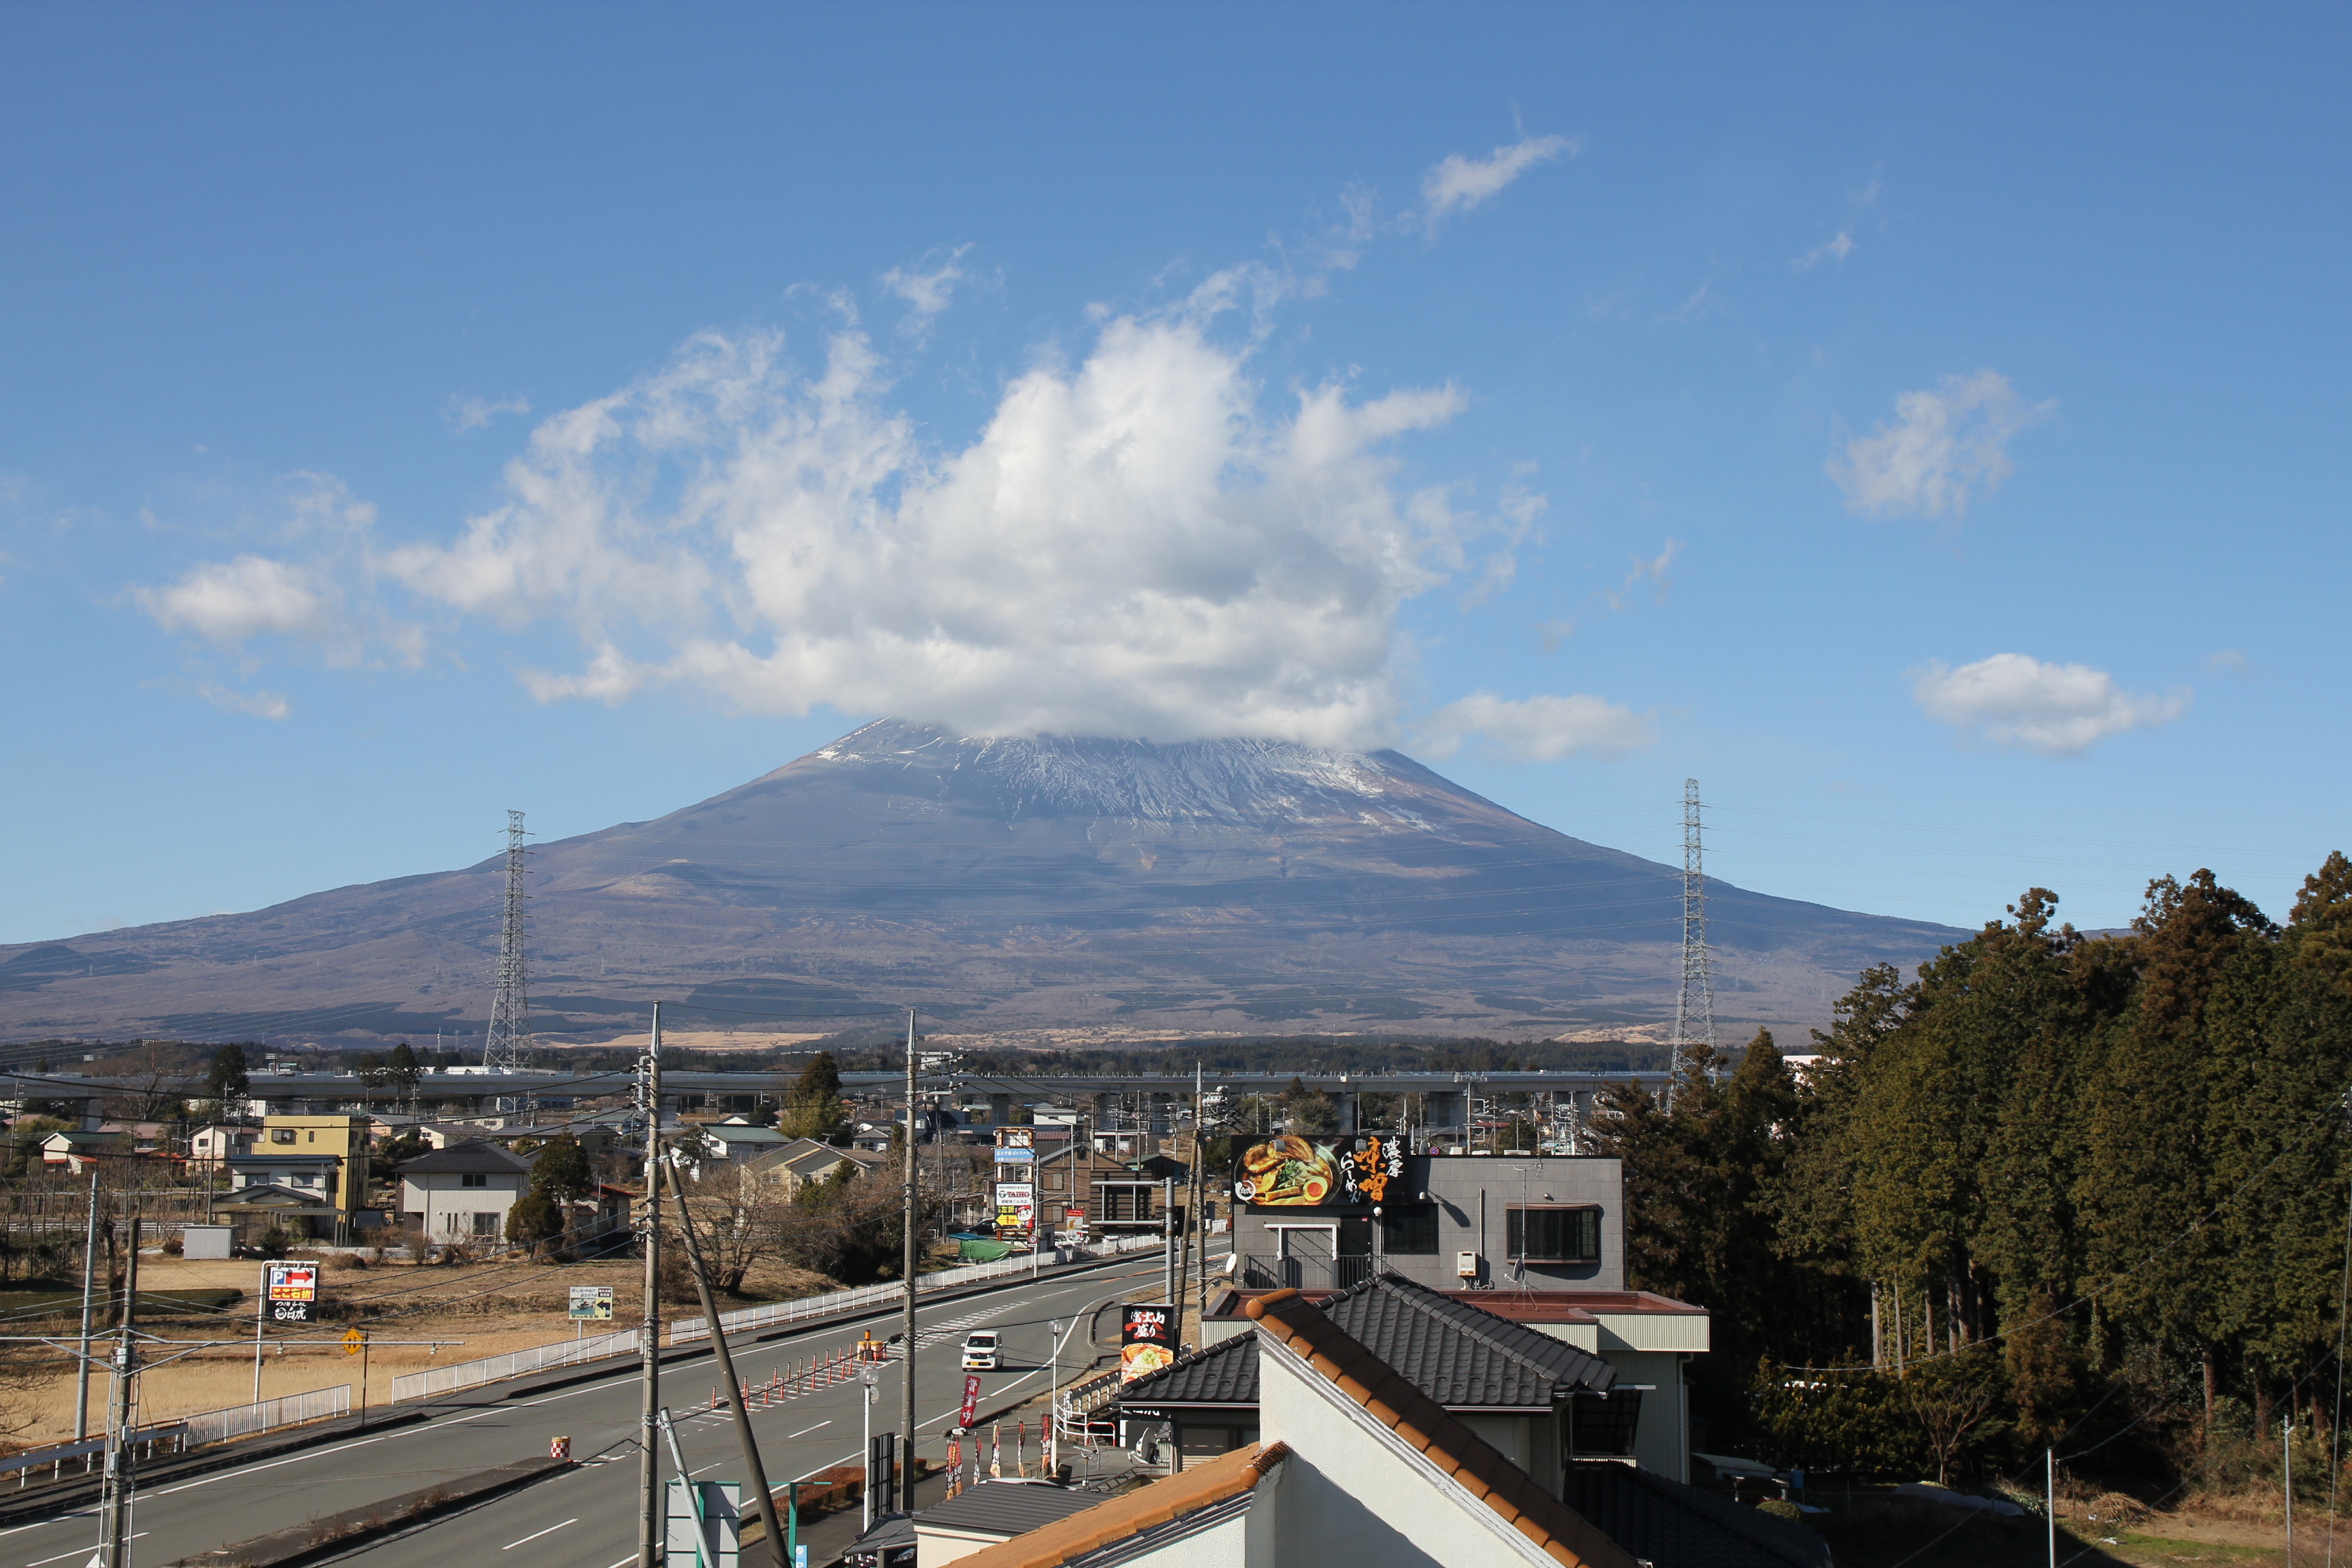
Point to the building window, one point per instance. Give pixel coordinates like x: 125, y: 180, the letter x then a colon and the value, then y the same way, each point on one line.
x: 1559, y: 1235
x: 1409, y: 1230
x: 474, y: 1179
x: 486, y: 1224
x: 281, y: 1135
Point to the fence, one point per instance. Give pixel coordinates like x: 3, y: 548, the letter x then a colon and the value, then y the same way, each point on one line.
x: 1261, y: 1272
x: 194, y: 1431
x: 244, y: 1420
x: 685, y: 1330
x: 514, y: 1363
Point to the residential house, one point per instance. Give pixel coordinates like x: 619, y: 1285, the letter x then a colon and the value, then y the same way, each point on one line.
x: 1355, y: 1462
x: 210, y: 1148
x: 344, y: 1137
x: 315, y: 1176
x: 1537, y: 1239
x: 462, y: 1193
x: 76, y: 1153
x: 1538, y: 1400
x: 732, y: 1141
x: 800, y: 1162
x: 257, y: 1210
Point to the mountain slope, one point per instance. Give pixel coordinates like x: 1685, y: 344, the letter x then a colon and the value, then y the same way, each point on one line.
x: 1009, y: 884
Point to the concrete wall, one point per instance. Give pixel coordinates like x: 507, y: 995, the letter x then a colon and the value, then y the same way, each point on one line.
x: 1472, y: 1193
x: 1353, y: 1492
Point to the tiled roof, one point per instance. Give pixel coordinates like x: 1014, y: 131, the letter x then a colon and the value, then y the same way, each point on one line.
x: 1463, y: 1358
x: 1675, y: 1526
x: 1557, y: 1530
x: 472, y: 1156
x: 1222, y: 1373
x: 1187, y: 1491
x: 1006, y: 1508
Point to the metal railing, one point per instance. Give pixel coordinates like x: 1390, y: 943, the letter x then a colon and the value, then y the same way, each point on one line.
x: 514, y: 1363
x: 1261, y: 1272
x: 288, y: 1410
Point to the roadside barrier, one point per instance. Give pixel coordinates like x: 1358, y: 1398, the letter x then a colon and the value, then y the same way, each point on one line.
x: 514, y: 1363
x: 687, y: 1331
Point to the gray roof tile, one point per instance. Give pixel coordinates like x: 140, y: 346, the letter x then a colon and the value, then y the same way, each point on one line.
x: 1007, y: 1508
x: 1459, y: 1356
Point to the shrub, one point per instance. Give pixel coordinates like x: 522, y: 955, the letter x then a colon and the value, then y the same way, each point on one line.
x: 1781, y: 1508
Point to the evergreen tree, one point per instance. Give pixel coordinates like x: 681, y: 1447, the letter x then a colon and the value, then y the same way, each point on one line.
x: 227, y: 1079
x: 812, y: 1105
x: 561, y: 1172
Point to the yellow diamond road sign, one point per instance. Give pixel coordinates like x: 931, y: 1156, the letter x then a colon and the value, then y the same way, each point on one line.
x: 352, y: 1340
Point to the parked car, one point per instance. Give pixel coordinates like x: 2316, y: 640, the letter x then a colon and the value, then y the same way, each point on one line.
x: 981, y: 1352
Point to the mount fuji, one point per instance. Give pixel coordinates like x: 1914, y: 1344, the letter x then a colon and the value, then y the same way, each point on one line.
x: 1053, y: 888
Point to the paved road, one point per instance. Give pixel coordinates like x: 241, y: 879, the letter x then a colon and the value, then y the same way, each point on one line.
x: 587, y: 1518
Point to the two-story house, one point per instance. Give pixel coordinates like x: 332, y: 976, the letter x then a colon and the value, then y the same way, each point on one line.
x: 462, y: 1193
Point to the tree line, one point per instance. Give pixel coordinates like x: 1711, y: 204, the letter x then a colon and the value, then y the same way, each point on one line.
x: 2056, y: 1191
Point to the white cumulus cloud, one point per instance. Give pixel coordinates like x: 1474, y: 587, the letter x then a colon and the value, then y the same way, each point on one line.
x: 227, y: 603
x: 1458, y: 183
x: 2014, y: 699
x: 1143, y: 543
x: 1542, y: 728
x: 1945, y: 448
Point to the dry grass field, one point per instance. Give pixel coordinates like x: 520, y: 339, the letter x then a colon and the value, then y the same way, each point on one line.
x: 475, y: 1310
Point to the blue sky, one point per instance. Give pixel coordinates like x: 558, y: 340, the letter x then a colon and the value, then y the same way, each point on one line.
x: 1913, y: 422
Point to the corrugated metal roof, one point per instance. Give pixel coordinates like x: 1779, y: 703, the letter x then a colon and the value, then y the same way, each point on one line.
x: 1006, y: 1508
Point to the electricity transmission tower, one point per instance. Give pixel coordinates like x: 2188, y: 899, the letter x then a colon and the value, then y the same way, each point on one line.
x: 1695, y: 1009
x: 509, y: 1040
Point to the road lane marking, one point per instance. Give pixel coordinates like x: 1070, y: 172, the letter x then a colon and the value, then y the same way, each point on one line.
x: 75, y: 1553
x: 804, y: 1431
x: 527, y: 1539
x: 503, y: 1407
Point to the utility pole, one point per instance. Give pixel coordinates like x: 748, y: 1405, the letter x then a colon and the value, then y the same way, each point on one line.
x: 1200, y: 1207
x: 114, y: 1508
x: 1695, y: 1007
x: 89, y: 1266
x: 907, y: 1308
x: 1168, y: 1234
x: 649, y: 1497
x: 764, y: 1500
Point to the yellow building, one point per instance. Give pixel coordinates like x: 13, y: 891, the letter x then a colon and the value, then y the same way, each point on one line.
x: 344, y: 1137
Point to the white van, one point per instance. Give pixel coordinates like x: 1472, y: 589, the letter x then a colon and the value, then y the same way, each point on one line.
x: 979, y: 1352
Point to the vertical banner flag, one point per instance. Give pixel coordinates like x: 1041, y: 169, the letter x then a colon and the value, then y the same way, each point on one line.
x: 1147, y: 1340
x: 971, y: 1399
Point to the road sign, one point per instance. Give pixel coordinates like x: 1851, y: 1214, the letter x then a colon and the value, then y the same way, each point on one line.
x: 355, y: 1341
x: 592, y: 1303
x: 289, y: 1292
x: 971, y: 1399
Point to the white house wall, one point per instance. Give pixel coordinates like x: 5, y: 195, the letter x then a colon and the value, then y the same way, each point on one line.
x: 1352, y: 1492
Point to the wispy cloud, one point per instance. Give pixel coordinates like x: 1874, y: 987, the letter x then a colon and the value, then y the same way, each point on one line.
x: 1837, y: 247
x: 474, y: 413
x: 1459, y: 182
x: 2058, y: 710
x: 260, y: 704
x: 1543, y: 728
x: 928, y: 287
x: 1945, y: 448
x: 1654, y: 570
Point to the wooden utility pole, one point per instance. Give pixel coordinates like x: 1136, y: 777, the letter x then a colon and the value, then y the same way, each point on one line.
x: 114, y: 1510
x: 764, y: 1501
